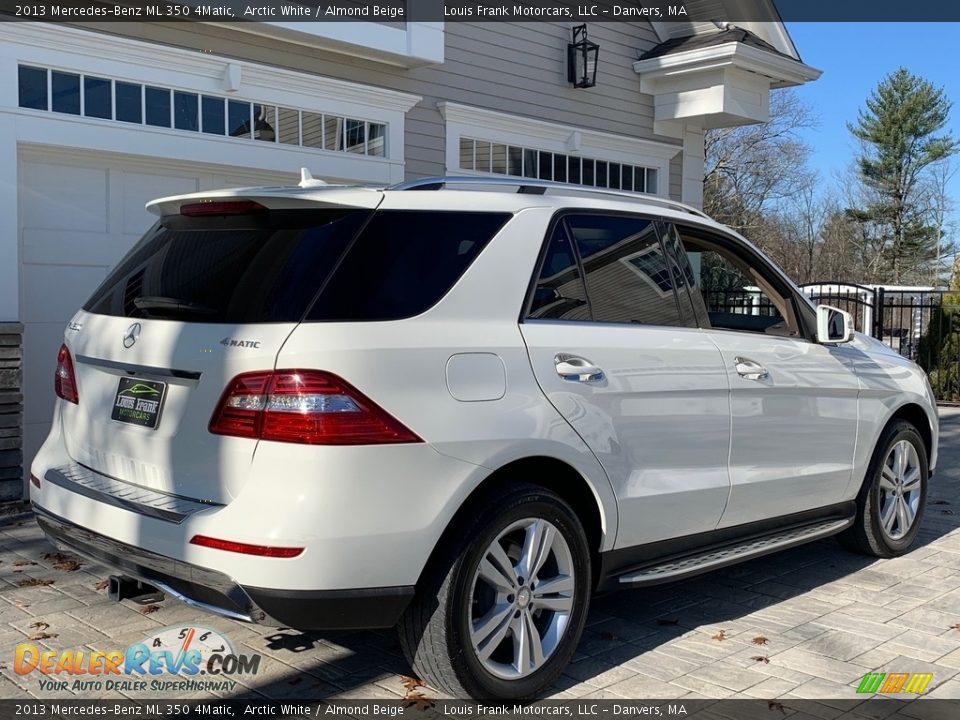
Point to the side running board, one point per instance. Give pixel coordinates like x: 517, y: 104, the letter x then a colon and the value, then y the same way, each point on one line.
x: 678, y: 568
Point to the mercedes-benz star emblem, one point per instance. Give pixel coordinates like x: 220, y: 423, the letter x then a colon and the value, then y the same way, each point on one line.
x: 130, y: 337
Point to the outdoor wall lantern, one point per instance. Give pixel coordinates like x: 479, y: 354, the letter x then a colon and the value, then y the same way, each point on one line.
x: 582, y: 59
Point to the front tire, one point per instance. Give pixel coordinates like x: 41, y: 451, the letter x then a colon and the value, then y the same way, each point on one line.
x: 894, y: 494
x: 500, y: 614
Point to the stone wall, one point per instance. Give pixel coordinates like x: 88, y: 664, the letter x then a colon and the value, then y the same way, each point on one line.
x: 11, y: 411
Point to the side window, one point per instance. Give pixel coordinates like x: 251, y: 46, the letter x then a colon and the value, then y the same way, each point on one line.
x: 628, y: 277
x: 732, y: 293
x: 559, y: 294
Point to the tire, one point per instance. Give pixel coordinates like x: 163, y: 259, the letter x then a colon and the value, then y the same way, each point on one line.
x: 440, y: 630
x: 881, y: 528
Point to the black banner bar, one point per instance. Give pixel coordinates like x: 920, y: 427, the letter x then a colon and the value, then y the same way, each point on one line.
x: 401, y: 11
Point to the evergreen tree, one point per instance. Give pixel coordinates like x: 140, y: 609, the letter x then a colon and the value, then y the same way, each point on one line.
x: 901, y: 138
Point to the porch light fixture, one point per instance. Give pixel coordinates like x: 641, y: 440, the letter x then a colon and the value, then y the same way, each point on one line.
x: 582, y: 59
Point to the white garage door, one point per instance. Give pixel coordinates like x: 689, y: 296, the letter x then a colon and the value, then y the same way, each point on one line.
x: 78, y: 214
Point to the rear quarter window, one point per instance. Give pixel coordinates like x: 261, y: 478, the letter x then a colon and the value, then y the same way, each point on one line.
x: 404, y: 262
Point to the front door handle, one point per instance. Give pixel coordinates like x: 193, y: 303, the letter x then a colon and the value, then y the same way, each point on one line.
x: 577, y: 369
x: 747, y: 368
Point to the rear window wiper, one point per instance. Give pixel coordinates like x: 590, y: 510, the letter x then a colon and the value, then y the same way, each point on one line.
x: 155, y: 303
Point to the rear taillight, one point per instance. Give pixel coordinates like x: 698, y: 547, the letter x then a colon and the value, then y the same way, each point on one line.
x: 304, y: 406
x: 65, y: 381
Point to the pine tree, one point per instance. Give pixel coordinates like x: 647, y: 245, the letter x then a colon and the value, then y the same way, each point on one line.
x: 898, y: 131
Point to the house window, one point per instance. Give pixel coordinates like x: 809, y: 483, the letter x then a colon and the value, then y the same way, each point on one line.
x: 502, y: 159
x: 107, y: 99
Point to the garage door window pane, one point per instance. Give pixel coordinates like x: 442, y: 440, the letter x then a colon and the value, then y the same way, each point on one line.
x: 129, y: 99
x: 356, y: 136
x: 332, y: 133
x: 186, y: 111
x: 66, y: 93
x: 377, y: 140
x: 627, y: 275
x: 288, y: 126
x: 312, y: 130
x: 214, y: 115
x: 500, y: 159
x: 651, y: 180
x: 158, y: 106
x: 33, y: 88
x: 265, y: 123
x: 97, y: 98
x: 238, y: 120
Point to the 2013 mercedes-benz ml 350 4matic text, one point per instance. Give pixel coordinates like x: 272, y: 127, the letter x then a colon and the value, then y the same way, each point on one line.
x: 462, y: 411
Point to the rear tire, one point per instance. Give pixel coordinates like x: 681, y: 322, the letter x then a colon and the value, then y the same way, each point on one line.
x: 500, y: 613
x: 894, y: 494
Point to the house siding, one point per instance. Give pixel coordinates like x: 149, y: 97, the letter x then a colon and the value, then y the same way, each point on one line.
x: 11, y: 411
x: 514, y: 68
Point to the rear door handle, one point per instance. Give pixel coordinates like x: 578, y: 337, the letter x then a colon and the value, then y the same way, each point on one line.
x: 747, y: 368
x: 577, y: 369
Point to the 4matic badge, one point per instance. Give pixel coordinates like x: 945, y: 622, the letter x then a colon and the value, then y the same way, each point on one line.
x: 231, y: 342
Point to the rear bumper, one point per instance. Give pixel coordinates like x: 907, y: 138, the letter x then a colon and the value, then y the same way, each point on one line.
x: 216, y: 592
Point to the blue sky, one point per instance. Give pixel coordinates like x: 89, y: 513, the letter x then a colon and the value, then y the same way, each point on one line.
x: 854, y: 57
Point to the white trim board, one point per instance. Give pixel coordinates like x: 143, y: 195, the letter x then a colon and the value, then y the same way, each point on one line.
x: 482, y: 124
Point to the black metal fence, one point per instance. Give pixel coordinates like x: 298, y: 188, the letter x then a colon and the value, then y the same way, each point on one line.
x: 922, y: 324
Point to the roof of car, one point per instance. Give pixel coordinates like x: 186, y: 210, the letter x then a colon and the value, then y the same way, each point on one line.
x: 496, y: 194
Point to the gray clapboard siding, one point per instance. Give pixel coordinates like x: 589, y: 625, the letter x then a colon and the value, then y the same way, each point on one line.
x: 515, y: 68
x: 11, y: 411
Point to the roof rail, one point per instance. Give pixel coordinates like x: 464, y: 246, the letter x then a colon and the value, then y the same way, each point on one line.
x: 540, y: 187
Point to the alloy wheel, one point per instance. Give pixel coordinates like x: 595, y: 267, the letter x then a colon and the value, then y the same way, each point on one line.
x: 900, y: 490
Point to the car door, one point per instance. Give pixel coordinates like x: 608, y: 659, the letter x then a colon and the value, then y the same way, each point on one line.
x: 793, y: 402
x: 643, y: 387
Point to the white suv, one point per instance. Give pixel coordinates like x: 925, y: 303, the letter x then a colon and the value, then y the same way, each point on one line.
x: 462, y: 406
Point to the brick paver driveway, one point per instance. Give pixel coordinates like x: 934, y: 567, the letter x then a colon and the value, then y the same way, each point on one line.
x: 806, y: 623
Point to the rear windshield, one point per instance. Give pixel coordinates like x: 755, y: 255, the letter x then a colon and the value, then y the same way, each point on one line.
x: 284, y: 266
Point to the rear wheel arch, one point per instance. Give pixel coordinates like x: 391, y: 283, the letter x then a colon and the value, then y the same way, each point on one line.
x: 544, y: 471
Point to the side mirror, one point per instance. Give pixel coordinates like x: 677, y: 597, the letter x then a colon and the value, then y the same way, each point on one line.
x: 833, y: 325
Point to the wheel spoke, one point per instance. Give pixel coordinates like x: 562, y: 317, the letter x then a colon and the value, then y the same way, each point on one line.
x: 912, y: 481
x: 889, y: 514
x: 888, y: 479
x: 558, y: 603
x: 553, y: 586
x: 495, y: 577
x: 528, y: 650
x: 499, y: 560
x: 536, y: 643
x: 898, y: 459
x: 536, y: 548
x: 902, y: 524
x: 908, y: 514
x: 492, y: 628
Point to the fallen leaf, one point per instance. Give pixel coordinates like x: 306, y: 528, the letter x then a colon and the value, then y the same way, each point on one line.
x: 67, y: 565
x: 955, y: 627
x: 607, y: 635
x: 666, y: 621
x: 761, y: 658
x: 23, y: 563
x: 149, y: 609
x: 760, y: 640
x: 418, y: 700
x: 42, y: 636
x: 39, y: 625
x: 410, y: 682
x: 20, y: 604
x: 946, y: 512
x: 101, y: 585
x: 33, y: 582
x: 939, y: 502
x: 722, y: 635
x: 774, y: 705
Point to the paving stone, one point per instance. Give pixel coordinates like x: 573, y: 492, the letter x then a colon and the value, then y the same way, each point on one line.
x: 840, y: 645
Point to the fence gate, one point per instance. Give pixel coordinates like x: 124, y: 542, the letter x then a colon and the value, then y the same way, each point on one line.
x: 922, y: 324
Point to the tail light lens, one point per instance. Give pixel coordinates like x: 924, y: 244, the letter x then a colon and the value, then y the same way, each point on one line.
x: 246, y: 548
x: 65, y: 381
x: 304, y: 406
